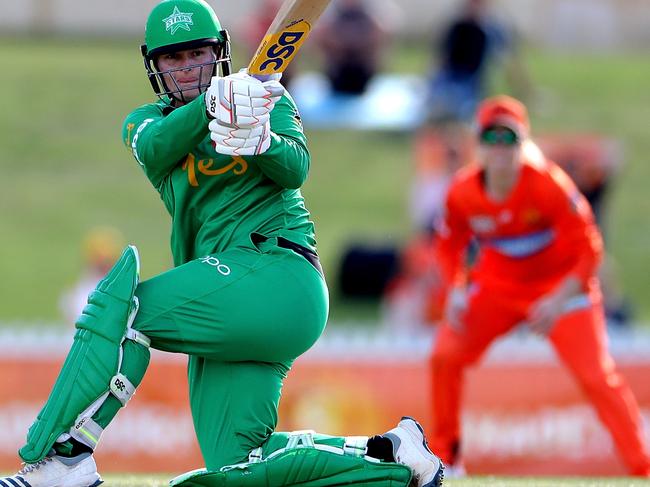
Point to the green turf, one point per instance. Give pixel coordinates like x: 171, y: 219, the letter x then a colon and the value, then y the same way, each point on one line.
x: 545, y: 482
x: 64, y: 170
x: 160, y: 481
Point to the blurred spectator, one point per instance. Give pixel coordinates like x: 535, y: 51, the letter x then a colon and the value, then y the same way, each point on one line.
x: 441, y: 147
x: 366, y: 269
x: 470, y: 45
x: 254, y: 28
x: 414, y: 297
x: 100, y: 249
x: 351, y: 38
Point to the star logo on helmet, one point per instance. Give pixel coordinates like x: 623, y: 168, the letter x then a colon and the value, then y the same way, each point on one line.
x: 178, y: 20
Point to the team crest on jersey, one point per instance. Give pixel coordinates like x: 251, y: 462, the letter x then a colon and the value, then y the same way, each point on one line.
x: 178, y: 20
x: 482, y: 224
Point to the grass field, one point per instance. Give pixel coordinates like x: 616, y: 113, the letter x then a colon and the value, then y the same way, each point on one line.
x: 159, y: 481
x: 64, y: 169
x: 127, y: 480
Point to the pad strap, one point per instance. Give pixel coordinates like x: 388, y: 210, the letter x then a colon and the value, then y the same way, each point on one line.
x: 255, y: 456
x: 306, y: 462
x: 138, y: 337
x: 87, y: 431
x: 132, y: 334
x: 90, y: 367
x: 300, y: 438
x: 133, y: 313
x: 355, y: 446
x: 122, y: 388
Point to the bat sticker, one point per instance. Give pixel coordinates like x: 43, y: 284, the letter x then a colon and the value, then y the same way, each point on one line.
x: 277, y: 50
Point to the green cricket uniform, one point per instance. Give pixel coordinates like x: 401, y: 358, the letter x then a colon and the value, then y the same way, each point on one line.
x: 245, y: 298
x: 238, y: 302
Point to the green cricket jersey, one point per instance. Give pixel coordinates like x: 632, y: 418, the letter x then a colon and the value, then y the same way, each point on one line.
x: 217, y: 201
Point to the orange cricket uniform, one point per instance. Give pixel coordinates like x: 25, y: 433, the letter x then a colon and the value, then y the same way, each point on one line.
x: 540, y: 234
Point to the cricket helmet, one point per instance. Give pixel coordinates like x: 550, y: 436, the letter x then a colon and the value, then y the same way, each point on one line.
x: 177, y: 25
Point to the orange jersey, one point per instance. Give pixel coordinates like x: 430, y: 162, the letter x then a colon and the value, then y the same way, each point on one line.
x: 541, y: 233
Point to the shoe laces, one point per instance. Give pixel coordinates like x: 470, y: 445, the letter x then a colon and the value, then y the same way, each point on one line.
x: 30, y: 467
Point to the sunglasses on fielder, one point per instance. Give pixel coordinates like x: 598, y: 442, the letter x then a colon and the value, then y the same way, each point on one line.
x: 499, y: 136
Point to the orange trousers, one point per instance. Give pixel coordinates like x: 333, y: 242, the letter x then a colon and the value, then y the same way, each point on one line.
x: 579, y: 338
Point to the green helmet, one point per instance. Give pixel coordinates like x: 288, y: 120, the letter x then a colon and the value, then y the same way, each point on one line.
x: 177, y: 25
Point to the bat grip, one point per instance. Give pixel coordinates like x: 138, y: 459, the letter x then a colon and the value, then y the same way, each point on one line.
x: 267, y: 77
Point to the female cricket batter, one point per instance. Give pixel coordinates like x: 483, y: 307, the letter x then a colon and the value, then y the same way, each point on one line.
x: 227, y: 155
x: 539, y: 252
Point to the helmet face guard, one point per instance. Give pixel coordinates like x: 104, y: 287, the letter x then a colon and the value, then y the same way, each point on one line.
x: 164, y: 82
x: 179, y: 25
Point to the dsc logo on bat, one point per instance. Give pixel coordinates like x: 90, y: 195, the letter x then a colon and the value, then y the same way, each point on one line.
x: 278, y: 49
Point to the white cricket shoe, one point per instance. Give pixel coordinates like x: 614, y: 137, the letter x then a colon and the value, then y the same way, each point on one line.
x: 455, y: 471
x: 56, y: 471
x: 410, y: 448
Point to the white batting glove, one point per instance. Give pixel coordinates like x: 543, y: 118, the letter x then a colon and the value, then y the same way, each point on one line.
x: 239, y: 100
x: 233, y: 141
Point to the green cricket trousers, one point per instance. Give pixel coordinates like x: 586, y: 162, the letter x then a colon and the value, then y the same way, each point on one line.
x: 242, y: 316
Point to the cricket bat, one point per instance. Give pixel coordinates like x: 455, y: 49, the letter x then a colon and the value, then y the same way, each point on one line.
x: 285, y: 36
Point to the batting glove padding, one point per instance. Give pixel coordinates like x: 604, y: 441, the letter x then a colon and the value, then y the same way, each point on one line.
x: 240, y: 141
x: 239, y: 100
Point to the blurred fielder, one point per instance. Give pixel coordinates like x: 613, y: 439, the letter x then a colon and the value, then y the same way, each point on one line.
x: 539, y: 253
x: 247, y: 295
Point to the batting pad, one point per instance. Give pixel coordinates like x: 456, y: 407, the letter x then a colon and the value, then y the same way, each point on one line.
x: 305, y: 466
x: 93, y: 360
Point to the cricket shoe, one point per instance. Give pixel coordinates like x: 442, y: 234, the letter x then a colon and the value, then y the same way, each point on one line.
x: 410, y: 448
x: 455, y: 471
x: 56, y: 471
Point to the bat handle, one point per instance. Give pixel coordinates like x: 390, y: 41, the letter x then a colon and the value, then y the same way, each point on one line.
x: 267, y: 77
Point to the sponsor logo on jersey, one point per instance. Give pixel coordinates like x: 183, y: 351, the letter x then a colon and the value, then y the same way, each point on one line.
x: 522, y: 245
x: 178, y: 20
x: 237, y: 165
x: 213, y: 261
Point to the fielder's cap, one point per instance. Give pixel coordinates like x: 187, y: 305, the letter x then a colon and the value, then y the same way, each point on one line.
x: 503, y: 111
